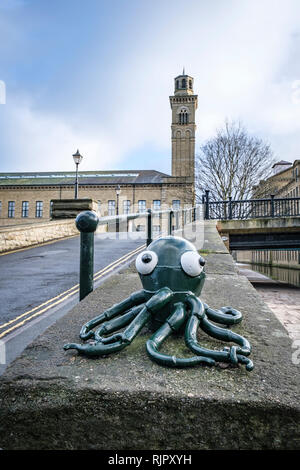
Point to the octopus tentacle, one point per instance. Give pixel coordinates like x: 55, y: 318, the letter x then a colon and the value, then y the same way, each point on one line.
x: 173, y: 323
x: 135, y: 299
x: 226, y: 335
x: 121, y: 340
x: 233, y: 354
x: 225, y: 315
x: 117, y: 323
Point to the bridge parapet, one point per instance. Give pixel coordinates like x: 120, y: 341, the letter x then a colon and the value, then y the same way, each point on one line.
x: 263, y: 233
x: 53, y: 400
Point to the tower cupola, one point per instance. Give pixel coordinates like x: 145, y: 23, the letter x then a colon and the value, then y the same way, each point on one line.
x: 184, y: 84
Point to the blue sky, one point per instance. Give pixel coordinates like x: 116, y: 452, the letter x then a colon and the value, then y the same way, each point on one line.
x: 96, y: 75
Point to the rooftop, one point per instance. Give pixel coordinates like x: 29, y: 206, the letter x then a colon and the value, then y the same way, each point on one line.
x: 85, y: 177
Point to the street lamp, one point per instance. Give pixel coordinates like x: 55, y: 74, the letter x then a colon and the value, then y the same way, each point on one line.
x: 118, y: 192
x: 77, y: 159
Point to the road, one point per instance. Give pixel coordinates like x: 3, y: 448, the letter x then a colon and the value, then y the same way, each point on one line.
x: 40, y: 284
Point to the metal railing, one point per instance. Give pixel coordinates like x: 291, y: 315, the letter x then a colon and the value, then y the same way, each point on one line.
x: 88, y: 221
x: 250, y: 208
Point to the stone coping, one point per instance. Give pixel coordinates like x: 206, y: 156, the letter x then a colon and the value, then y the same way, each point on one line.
x: 52, y: 399
x: 38, y: 225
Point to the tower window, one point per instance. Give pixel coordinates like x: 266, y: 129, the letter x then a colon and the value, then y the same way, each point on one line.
x: 190, y: 84
x: 183, y: 83
x: 183, y: 117
x: 177, y: 84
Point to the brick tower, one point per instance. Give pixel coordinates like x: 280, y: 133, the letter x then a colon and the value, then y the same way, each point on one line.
x: 183, y: 104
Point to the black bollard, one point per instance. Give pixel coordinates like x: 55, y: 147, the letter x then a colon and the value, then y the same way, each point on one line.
x: 86, y: 222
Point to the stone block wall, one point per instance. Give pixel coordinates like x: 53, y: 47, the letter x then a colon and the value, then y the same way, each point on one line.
x: 12, y: 238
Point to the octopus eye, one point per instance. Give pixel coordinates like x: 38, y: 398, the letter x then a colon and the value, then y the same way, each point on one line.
x: 146, y: 262
x: 201, y: 261
x: 192, y: 263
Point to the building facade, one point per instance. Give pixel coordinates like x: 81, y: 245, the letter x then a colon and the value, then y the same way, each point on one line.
x: 285, y: 181
x: 27, y: 197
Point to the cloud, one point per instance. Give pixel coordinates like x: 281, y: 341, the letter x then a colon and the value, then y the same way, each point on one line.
x: 240, y: 54
x: 48, y: 142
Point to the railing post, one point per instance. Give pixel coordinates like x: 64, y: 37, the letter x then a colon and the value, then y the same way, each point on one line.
x: 230, y: 208
x: 206, y: 204
x: 177, y: 219
x: 170, y: 222
x: 149, y: 227
x: 86, y: 222
x: 272, y: 205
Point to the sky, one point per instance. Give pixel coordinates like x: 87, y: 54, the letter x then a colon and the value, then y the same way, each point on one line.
x: 97, y: 75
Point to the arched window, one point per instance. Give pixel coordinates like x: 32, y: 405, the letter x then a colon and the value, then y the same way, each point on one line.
x: 177, y: 84
x: 183, y: 117
x: 190, y: 84
x: 183, y: 83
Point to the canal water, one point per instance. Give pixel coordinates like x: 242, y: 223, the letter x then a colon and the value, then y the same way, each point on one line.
x: 280, y: 290
x: 278, y: 274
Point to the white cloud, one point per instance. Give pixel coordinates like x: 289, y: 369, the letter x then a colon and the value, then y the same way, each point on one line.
x: 237, y: 51
x: 48, y: 142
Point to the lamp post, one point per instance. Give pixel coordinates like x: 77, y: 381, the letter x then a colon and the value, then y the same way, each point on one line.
x: 118, y: 192
x: 77, y: 159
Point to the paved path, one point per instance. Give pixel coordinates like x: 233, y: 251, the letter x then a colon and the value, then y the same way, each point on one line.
x: 283, y: 299
x: 39, y: 285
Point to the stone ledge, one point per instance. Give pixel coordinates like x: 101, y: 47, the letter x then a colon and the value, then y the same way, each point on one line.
x: 51, y: 399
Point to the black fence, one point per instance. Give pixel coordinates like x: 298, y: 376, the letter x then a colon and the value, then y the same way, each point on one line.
x: 250, y: 208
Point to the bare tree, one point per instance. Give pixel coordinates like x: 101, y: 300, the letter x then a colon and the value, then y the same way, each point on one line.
x: 232, y: 163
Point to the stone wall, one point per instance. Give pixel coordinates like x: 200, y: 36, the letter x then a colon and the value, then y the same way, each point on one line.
x: 12, y: 238
x: 52, y: 399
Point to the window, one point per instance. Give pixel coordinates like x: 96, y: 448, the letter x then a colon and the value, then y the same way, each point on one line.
x: 39, y: 209
x: 177, y: 84
x: 183, y: 117
x: 142, y: 206
x: 25, y: 208
x: 11, y: 209
x: 156, y: 229
x: 190, y: 84
x: 176, y: 204
x: 51, y: 209
x: 156, y: 205
x: 99, y: 207
x: 111, y: 207
x: 126, y: 207
x: 183, y: 83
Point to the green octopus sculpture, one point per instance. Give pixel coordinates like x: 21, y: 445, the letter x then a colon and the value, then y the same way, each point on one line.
x: 172, y: 273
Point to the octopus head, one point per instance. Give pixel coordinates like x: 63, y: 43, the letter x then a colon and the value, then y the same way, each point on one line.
x: 171, y: 262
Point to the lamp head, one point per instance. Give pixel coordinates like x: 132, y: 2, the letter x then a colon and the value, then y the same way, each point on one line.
x: 77, y: 157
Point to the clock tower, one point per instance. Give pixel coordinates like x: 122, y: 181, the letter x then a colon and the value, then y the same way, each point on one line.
x: 183, y: 104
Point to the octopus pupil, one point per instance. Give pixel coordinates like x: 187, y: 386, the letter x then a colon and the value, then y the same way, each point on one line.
x: 147, y: 258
